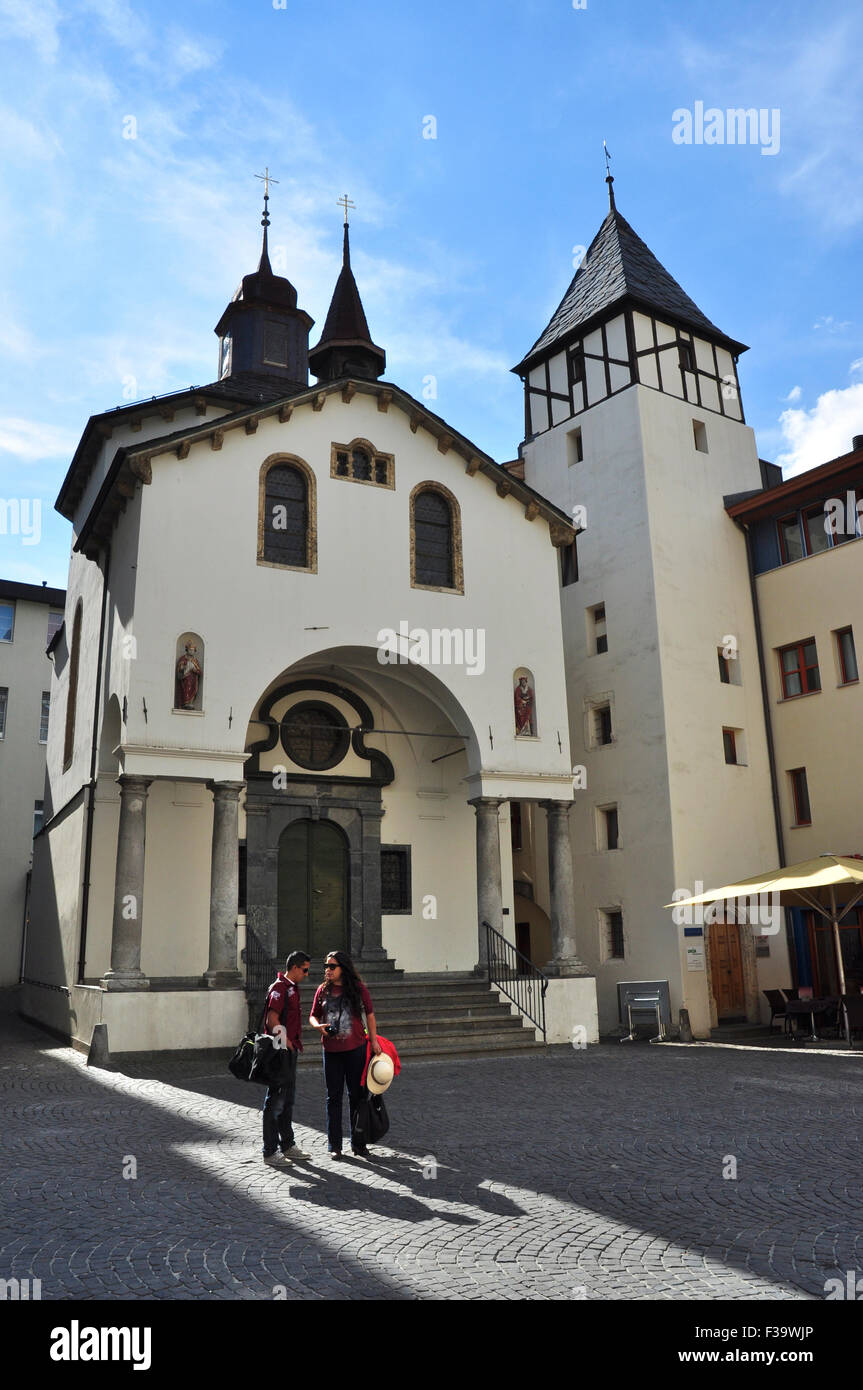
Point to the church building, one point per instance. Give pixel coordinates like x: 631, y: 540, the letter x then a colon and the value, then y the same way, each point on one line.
x: 331, y: 677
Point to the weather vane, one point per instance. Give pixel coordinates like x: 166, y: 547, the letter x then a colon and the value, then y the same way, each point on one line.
x: 607, y: 157
x: 346, y: 203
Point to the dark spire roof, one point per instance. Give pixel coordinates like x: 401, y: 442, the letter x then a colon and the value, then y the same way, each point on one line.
x: 346, y: 347
x: 619, y: 266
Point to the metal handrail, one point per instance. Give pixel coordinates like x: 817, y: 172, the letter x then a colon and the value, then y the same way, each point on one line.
x: 513, y: 974
x: 261, y: 970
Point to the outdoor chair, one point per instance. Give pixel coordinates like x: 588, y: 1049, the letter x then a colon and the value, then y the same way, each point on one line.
x: 791, y: 994
x: 776, y: 1000
x: 851, y: 1008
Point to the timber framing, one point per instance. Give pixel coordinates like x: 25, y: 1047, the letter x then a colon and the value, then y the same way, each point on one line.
x: 132, y: 464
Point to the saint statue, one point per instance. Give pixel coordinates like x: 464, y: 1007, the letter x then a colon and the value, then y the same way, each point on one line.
x: 524, y: 708
x: 188, y: 676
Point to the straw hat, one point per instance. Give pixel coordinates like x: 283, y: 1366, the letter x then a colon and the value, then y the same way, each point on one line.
x: 380, y: 1074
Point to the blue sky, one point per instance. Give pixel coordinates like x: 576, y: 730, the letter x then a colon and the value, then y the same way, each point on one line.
x: 118, y: 254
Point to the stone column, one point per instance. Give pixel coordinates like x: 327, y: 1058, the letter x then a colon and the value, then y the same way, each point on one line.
x: 126, y: 972
x: 371, y: 926
x: 564, y: 959
x: 489, y: 895
x: 222, y: 972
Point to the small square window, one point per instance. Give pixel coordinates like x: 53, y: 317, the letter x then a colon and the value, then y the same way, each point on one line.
x: 729, y: 742
x: 43, y: 720
x: 699, y: 436
x: 515, y: 829
x: 7, y: 621
x: 395, y: 879
x: 847, y: 656
x: 576, y: 364
x: 597, y: 634
x: 38, y: 816
x: 724, y: 667
x: 608, y: 828
x: 55, y: 622
x: 602, y: 731
x: 4, y: 703
x: 687, y: 357
x: 614, y: 944
x: 569, y: 564
x: 574, y: 447
x: 798, y: 667
x: 790, y: 539
x: 800, y: 796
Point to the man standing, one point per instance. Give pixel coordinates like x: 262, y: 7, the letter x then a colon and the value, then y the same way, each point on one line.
x: 284, y: 1021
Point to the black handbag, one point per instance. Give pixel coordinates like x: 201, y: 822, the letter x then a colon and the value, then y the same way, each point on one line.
x: 240, y: 1064
x: 271, y: 1064
x: 372, y: 1121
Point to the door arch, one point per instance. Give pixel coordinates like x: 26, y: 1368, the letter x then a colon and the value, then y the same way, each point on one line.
x: 312, y: 903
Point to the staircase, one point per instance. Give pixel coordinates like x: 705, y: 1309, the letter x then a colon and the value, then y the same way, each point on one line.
x: 428, y: 1017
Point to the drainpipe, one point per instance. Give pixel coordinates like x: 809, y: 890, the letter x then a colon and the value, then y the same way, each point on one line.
x: 768, y: 725
x: 94, y: 753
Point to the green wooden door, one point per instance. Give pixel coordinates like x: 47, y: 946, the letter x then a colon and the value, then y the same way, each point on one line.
x: 313, y: 889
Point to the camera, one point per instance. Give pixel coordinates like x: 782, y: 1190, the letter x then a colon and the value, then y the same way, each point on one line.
x: 331, y: 1030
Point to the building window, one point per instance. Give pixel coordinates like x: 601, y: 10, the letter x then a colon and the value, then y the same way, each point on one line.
x: 72, y: 691
x: 699, y: 435
x: 576, y: 364
x: 601, y: 725
x: 7, y: 621
x: 614, y: 947
x: 815, y: 531
x: 242, y: 877
x: 790, y: 539
x: 598, y: 634
x: 286, y: 519
x: 315, y: 736
x: 38, y: 816
x: 395, y: 878
x: 800, y: 796
x: 574, y: 448
x: 847, y: 656
x: 687, y: 359
x: 276, y: 344
x: 724, y: 667
x: 608, y: 833
x: 4, y: 702
x: 55, y: 622
x: 729, y: 742
x: 435, y: 539
x: 799, y: 667
x: 360, y: 462
x: 569, y: 563
x: 515, y: 830
x: 43, y: 720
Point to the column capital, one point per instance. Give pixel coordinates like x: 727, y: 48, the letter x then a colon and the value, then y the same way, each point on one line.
x: 225, y: 790
x: 486, y: 803
x: 132, y: 784
x: 556, y: 808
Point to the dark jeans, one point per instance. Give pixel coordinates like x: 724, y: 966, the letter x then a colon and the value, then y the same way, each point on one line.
x: 342, y: 1069
x: 278, y: 1110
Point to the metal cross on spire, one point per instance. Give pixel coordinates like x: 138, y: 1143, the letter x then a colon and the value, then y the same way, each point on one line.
x: 266, y: 180
x: 346, y: 203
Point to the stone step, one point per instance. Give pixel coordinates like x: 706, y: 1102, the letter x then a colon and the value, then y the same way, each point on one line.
x: 448, y: 1045
x: 414, y: 1026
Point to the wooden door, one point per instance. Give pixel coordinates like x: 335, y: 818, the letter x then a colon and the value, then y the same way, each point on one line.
x: 313, y: 889
x: 727, y: 968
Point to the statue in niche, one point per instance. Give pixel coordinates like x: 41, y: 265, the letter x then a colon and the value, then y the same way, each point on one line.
x: 525, y: 717
x: 189, y: 674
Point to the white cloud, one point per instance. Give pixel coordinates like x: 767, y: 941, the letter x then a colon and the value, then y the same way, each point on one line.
x: 830, y: 324
x: 815, y: 436
x: 856, y: 367
x: 31, y: 441
x: 793, y: 395
x: 35, y: 21
x: 23, y: 142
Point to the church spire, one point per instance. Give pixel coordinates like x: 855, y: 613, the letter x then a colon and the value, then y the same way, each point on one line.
x: 346, y: 348
x: 262, y: 334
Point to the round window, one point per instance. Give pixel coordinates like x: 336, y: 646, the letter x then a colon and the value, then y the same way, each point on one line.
x: 315, y: 736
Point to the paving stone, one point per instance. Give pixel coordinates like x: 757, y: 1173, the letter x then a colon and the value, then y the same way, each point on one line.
x: 566, y: 1170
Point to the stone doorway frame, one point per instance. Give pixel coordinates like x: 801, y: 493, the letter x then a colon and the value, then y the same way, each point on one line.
x: 749, y: 963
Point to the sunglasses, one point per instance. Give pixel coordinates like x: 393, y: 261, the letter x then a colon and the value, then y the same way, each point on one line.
x: 305, y: 970
x: 331, y: 965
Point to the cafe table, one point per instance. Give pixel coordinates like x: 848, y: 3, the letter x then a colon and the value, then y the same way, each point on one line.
x: 796, y: 1008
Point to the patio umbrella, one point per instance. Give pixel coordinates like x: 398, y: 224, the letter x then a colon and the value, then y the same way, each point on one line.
x: 830, y: 885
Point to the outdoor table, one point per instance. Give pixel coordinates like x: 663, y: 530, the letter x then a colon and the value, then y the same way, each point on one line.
x: 798, y: 1007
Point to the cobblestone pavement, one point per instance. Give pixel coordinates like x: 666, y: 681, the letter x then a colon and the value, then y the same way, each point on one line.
x: 570, y: 1175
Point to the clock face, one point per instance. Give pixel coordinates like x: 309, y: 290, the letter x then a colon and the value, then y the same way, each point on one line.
x: 225, y: 365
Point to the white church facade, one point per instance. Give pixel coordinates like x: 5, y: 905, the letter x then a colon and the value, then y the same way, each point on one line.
x: 330, y: 676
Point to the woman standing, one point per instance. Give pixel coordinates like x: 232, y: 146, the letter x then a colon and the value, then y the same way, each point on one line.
x: 337, y: 1012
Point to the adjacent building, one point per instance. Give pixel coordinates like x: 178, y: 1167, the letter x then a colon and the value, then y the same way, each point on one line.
x: 30, y: 616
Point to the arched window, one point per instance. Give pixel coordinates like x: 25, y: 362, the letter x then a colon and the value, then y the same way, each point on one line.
x: 72, y: 692
x: 435, y: 539
x: 286, y: 524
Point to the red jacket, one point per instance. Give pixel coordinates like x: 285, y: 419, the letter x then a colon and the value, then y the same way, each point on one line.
x: 387, y: 1047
